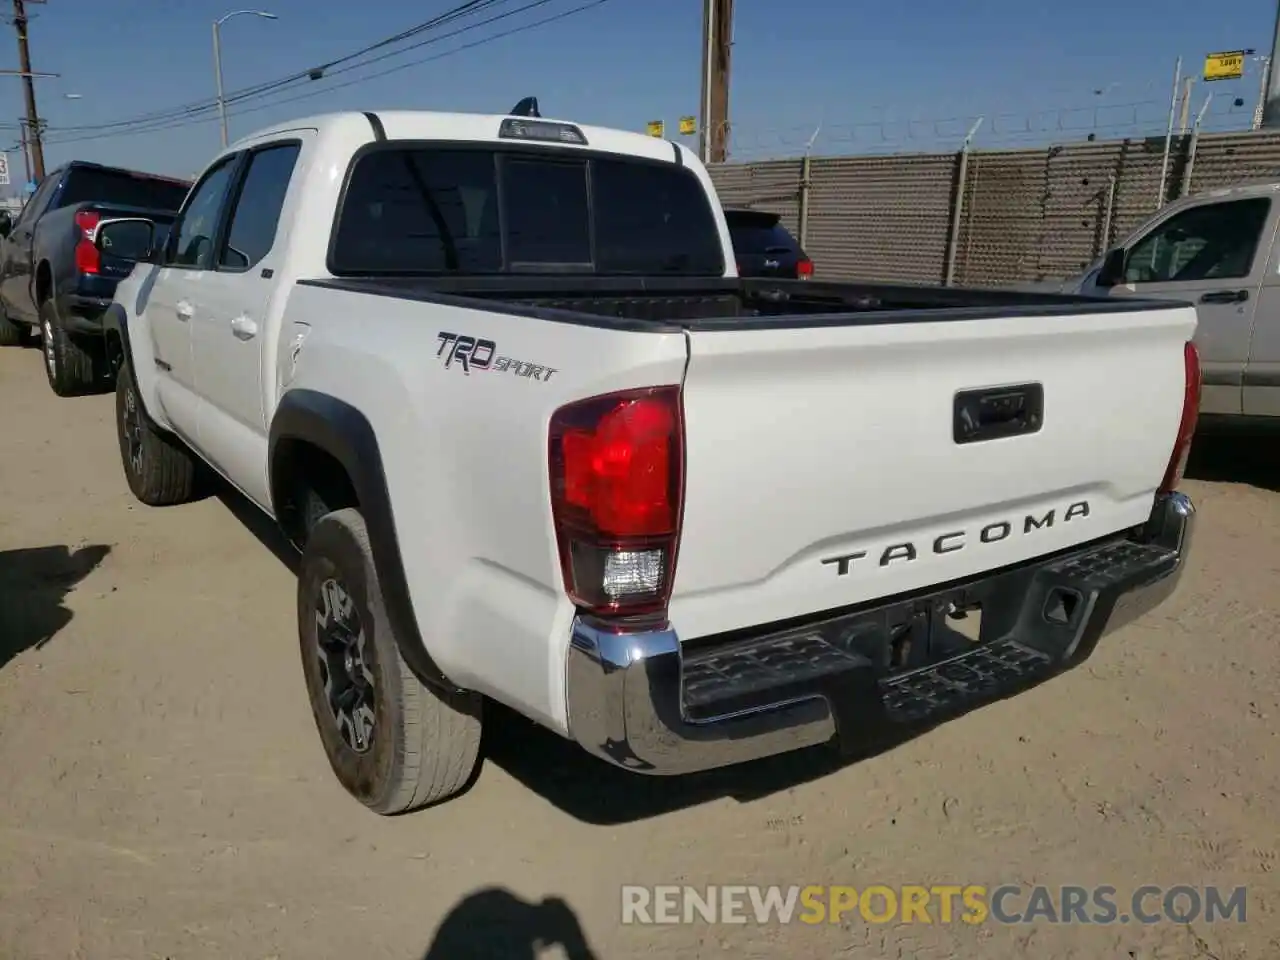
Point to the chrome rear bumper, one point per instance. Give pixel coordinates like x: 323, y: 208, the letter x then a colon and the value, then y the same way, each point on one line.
x: 641, y: 702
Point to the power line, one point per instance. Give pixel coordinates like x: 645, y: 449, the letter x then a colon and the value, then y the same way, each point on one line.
x: 191, y: 110
x: 185, y: 122
x: 431, y: 40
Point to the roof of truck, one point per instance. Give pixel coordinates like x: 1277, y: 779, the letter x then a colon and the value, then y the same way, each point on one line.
x: 435, y: 125
x: 1253, y: 188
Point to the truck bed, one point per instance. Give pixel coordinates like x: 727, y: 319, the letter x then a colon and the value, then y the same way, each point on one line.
x: 692, y: 304
x: 846, y: 442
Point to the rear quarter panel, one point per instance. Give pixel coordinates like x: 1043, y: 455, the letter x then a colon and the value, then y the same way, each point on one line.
x: 465, y: 455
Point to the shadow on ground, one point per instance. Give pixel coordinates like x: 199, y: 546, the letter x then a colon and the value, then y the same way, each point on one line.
x: 259, y: 524
x: 33, y: 584
x: 1227, y: 453
x: 593, y: 791
x: 495, y: 924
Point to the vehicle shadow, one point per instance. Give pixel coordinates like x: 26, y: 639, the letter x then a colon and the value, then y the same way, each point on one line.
x: 595, y: 792
x: 33, y: 584
x: 1230, y: 453
x: 495, y: 924
x: 257, y: 523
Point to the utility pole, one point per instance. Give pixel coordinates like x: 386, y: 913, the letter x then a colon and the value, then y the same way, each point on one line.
x: 29, y: 87
x: 1261, y: 105
x: 26, y: 155
x: 717, y: 44
x: 1271, y: 108
x: 1185, y: 116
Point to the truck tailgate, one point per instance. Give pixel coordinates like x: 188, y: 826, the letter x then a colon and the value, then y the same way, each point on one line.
x: 823, y: 468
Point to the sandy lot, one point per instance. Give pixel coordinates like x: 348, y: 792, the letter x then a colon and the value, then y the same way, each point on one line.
x: 166, y: 796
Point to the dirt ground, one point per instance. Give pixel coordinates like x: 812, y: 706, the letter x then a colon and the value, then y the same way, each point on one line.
x: 166, y: 796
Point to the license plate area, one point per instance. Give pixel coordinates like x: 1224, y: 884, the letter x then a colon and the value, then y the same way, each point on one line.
x: 934, y: 629
x: 880, y: 643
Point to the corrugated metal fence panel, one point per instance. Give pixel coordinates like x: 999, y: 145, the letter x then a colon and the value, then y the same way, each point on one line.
x: 1028, y: 214
x: 1078, y: 191
x: 1000, y: 227
x: 880, y: 218
x: 1137, y: 170
x: 1226, y: 159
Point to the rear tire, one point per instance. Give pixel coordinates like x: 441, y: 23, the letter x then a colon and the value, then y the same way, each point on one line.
x: 71, y: 364
x: 159, y: 470
x: 394, y: 743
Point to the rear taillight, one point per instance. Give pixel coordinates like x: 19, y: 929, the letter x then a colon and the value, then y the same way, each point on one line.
x: 88, y: 259
x: 617, y: 484
x: 804, y: 269
x: 1187, y: 425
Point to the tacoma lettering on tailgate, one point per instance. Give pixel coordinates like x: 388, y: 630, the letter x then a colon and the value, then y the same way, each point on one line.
x: 471, y: 354
x: 962, y: 539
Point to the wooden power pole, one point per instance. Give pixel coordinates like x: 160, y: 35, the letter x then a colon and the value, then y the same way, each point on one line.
x: 33, y: 131
x: 717, y: 44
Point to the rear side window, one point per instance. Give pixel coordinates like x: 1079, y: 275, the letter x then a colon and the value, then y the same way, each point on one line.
x: 653, y: 219
x: 86, y: 184
x: 257, y: 212
x: 450, y: 210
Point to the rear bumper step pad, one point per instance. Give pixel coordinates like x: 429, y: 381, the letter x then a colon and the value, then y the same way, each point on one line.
x: 645, y: 702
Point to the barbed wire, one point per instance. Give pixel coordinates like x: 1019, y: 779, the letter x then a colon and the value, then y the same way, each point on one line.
x: 1005, y: 130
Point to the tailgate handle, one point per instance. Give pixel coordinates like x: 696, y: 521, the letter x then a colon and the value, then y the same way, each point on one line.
x: 991, y: 413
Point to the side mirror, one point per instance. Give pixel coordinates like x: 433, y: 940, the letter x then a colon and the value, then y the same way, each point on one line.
x: 6, y: 223
x: 126, y: 238
x: 1112, y: 271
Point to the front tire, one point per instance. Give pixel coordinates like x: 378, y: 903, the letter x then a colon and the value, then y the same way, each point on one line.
x: 72, y: 366
x: 394, y: 743
x: 159, y: 470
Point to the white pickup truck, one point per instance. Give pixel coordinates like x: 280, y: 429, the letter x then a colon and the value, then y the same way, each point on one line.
x: 497, y: 380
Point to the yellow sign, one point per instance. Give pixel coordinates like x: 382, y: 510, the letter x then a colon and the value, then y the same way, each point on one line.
x: 688, y: 125
x: 1224, y: 66
x: 656, y: 128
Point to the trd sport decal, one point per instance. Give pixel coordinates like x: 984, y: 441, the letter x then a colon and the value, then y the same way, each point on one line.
x: 480, y: 355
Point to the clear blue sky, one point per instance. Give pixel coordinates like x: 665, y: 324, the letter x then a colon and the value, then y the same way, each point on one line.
x: 860, y: 69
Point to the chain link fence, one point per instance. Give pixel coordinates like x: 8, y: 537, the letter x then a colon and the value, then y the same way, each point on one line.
x: 1024, y: 215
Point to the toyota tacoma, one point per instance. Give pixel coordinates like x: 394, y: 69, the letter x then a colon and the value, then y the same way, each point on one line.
x: 497, y: 379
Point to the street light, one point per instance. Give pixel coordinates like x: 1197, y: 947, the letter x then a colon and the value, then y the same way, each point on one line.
x: 217, y: 58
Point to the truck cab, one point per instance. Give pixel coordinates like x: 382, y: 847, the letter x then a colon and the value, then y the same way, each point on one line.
x: 1216, y: 250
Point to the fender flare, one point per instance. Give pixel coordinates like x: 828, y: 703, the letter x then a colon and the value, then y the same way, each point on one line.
x: 115, y: 326
x: 344, y: 433
x: 116, y: 321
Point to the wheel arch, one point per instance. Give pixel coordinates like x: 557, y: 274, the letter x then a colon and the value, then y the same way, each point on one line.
x: 43, y: 283
x: 125, y: 342
x: 312, y: 432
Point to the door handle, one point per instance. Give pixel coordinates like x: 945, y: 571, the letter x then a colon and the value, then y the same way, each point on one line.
x: 1225, y: 296
x: 184, y: 310
x: 244, y: 328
